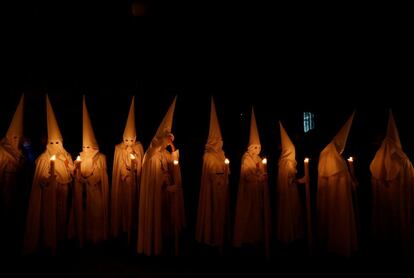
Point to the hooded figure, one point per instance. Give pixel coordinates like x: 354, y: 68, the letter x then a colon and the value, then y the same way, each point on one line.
x: 213, y: 208
x: 126, y: 176
x: 289, y: 227
x: 47, y: 215
x: 11, y: 162
x: 336, y: 222
x: 252, y: 223
x: 161, y: 205
x: 393, y: 192
x: 89, y: 214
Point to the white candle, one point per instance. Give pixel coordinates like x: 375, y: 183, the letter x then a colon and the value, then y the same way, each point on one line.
x: 306, y: 161
x: 78, y: 162
x: 264, y: 162
x: 226, y: 166
x: 351, y: 165
x: 52, y: 165
x: 308, y: 208
x: 133, y: 157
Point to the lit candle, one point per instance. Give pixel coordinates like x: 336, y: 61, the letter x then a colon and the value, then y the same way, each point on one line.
x: 52, y: 165
x: 175, y: 162
x: 78, y: 162
x: 264, y: 162
x: 306, y: 161
x: 308, y: 205
x: 226, y: 166
x: 133, y: 157
x: 351, y: 166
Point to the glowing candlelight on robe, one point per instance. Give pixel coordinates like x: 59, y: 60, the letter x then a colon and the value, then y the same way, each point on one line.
x: 175, y: 162
x: 132, y: 156
x: 52, y: 165
x: 227, y: 161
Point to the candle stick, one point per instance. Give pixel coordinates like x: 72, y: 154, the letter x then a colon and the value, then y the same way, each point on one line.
x: 78, y: 166
x: 133, y: 165
x: 306, y: 161
x: 351, y: 166
x: 226, y: 166
x: 52, y: 165
x: 308, y: 205
x: 264, y: 162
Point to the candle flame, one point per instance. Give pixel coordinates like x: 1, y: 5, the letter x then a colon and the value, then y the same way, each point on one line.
x: 53, y: 158
x: 264, y: 160
x: 175, y: 162
x: 350, y: 159
x: 227, y: 161
x: 78, y: 158
x: 132, y: 156
x: 306, y: 160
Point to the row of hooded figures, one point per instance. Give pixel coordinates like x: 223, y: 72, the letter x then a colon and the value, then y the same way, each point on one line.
x: 146, y: 193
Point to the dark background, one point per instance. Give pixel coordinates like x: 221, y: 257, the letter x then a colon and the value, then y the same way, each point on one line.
x: 282, y: 66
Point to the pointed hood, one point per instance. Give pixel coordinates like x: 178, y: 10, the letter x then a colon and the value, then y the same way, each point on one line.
x: 53, y: 132
x: 214, y: 134
x: 340, y: 139
x: 254, y: 134
x: 330, y: 160
x: 16, y: 125
x: 288, y: 149
x: 392, y: 132
x: 166, y: 123
x: 386, y: 164
x: 130, y: 130
x: 88, y: 134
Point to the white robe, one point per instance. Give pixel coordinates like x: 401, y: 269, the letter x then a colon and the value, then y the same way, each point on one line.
x: 336, y: 223
x: 213, y: 208
x: 252, y: 223
x: 90, y: 200
x: 47, y: 215
x: 125, y: 189
x: 161, y: 203
x: 11, y: 162
x: 289, y: 225
x: 393, y: 196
